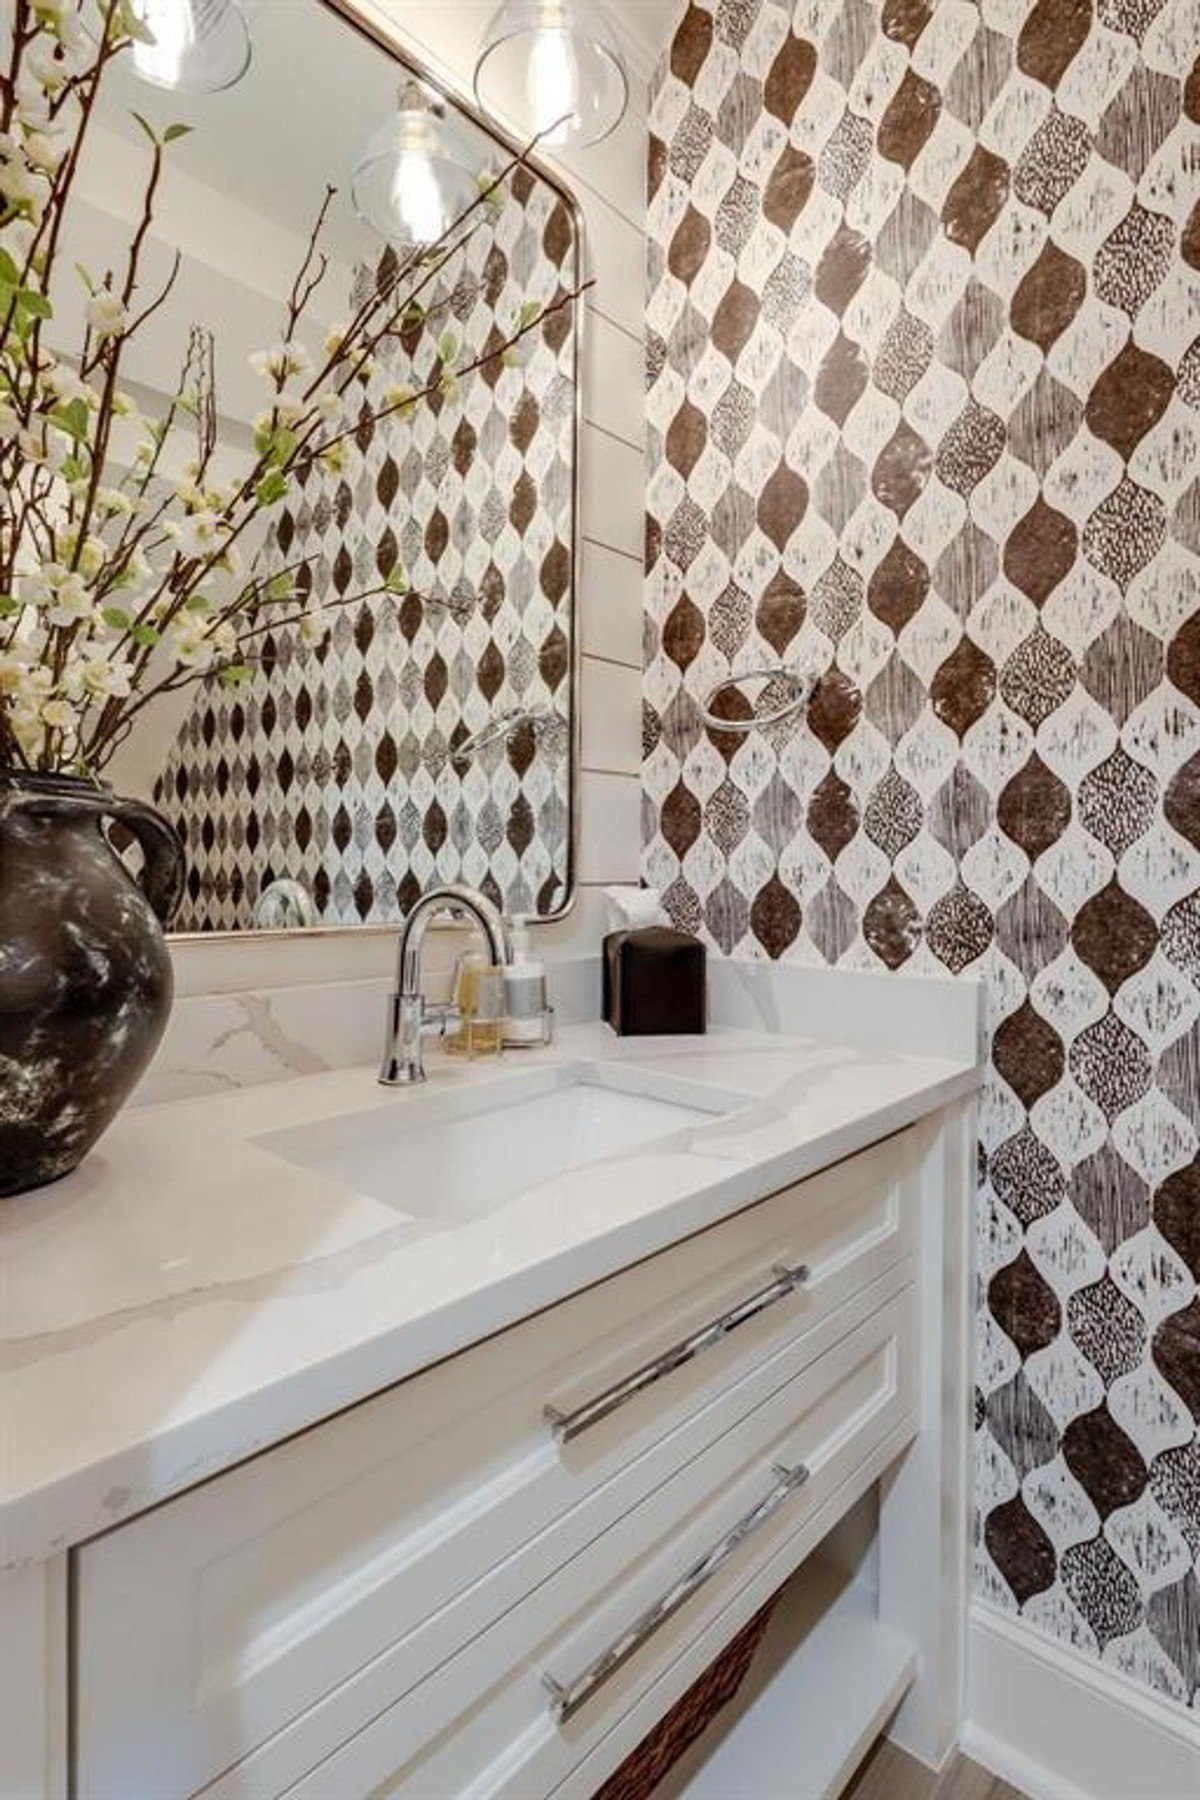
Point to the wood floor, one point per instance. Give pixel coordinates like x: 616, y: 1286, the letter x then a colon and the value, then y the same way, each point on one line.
x: 888, y: 1774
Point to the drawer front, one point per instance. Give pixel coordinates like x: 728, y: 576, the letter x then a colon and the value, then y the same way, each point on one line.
x: 393, y: 1529
x: 529, y: 1698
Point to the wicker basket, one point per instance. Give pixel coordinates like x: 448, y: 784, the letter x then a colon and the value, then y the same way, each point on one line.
x: 646, y: 1766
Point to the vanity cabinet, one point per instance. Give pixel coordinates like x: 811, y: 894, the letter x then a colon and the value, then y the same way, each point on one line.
x: 472, y: 1582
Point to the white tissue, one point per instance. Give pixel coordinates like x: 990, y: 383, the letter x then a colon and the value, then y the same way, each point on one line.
x: 630, y: 908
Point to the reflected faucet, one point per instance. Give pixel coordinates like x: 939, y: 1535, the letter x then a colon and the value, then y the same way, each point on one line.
x: 410, y: 1019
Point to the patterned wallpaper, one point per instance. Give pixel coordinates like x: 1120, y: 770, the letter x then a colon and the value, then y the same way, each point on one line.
x: 336, y: 769
x: 924, y: 393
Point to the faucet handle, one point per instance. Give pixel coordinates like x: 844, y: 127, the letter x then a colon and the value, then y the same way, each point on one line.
x: 440, y: 1021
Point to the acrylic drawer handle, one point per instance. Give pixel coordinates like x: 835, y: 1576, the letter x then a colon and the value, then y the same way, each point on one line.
x: 566, y: 1699
x: 568, y: 1425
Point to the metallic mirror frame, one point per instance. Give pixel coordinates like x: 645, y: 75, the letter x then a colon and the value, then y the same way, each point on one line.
x: 376, y: 32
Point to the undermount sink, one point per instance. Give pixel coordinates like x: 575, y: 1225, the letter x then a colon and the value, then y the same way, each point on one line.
x: 457, y: 1156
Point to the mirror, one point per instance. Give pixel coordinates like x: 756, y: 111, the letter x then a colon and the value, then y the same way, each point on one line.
x: 431, y: 735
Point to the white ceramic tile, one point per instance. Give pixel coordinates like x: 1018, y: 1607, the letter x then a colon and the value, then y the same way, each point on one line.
x: 612, y: 717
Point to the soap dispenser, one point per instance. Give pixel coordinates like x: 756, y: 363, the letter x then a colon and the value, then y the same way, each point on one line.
x: 527, y: 1015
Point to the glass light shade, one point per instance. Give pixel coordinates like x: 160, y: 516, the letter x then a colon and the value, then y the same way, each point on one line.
x: 416, y: 176
x: 199, y: 47
x: 556, y: 67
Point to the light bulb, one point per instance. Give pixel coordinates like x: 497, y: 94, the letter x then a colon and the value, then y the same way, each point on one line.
x: 417, y: 199
x: 552, y: 86
x: 173, y: 30
x: 199, y: 46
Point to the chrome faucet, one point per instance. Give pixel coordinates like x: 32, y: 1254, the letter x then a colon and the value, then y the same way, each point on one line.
x: 410, y: 1019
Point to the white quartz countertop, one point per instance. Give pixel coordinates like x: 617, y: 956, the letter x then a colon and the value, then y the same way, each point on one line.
x: 190, y: 1297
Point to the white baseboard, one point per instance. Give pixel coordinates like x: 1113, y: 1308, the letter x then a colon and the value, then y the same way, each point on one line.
x: 1060, y: 1726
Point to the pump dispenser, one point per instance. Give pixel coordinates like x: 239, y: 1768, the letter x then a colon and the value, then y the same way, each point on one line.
x: 527, y: 1015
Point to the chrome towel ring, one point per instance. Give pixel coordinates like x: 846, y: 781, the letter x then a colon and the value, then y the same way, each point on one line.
x: 802, y: 688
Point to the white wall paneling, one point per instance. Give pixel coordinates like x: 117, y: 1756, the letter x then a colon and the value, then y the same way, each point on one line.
x: 611, y: 825
x: 612, y: 711
x: 611, y: 601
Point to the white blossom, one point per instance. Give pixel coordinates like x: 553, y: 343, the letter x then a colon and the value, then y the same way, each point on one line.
x: 71, y: 603
x: 113, y: 502
x: 45, y: 150
x: 107, y: 314
x: 97, y: 675
x: 282, y: 360
x: 22, y: 187
x: 59, y: 715
x: 199, y: 535
x: 312, y: 626
x: 187, y: 641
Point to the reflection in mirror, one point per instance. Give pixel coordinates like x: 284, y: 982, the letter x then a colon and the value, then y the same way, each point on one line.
x: 419, y: 726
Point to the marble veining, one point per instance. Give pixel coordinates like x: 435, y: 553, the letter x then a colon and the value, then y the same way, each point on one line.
x: 187, y: 1297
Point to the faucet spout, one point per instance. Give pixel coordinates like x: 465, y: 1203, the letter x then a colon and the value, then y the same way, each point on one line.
x: 410, y: 1019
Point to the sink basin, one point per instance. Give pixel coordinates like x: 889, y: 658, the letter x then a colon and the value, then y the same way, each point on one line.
x: 456, y: 1156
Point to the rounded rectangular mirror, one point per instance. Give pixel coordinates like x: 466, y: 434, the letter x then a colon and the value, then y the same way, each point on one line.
x: 425, y: 731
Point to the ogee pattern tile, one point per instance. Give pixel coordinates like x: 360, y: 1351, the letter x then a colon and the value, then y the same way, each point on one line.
x: 336, y: 768
x: 924, y: 399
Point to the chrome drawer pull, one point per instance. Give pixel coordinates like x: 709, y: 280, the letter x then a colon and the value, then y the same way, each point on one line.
x: 568, y: 1425
x: 566, y: 1700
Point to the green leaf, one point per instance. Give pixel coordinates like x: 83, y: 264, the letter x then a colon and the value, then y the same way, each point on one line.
x: 145, y: 636
x: 447, y: 346
x: 530, y: 310
x: 271, y: 488
x: 235, y: 675
x: 37, y: 305
x: 198, y: 603
x: 73, y: 419
x: 117, y: 617
x: 281, y: 587
x: 86, y: 276
x: 145, y: 124
x: 176, y: 131
x: 9, y: 604
x: 277, y: 443
x: 397, y: 581
x: 10, y: 275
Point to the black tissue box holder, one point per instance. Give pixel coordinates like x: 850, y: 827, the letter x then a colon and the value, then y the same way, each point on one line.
x: 655, y: 982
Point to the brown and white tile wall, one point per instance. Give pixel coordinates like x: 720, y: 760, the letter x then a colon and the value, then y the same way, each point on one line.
x: 924, y: 400
x: 335, y: 767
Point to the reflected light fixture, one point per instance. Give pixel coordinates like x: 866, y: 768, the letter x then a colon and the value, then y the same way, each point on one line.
x: 193, y: 46
x: 556, y: 67
x: 416, y: 175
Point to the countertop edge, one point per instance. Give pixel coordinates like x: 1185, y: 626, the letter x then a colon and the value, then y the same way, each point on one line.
x: 45, y: 1522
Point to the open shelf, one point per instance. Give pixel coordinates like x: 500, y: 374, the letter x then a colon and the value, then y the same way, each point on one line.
x: 826, y: 1679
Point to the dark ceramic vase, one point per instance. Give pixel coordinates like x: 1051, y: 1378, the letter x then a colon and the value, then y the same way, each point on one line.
x: 85, y: 975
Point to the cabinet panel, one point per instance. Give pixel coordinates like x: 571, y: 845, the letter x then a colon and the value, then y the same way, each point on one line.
x: 488, y: 1725
x: 389, y: 1536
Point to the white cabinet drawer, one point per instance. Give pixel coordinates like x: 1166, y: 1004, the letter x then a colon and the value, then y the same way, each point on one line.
x: 608, y: 1624
x: 398, y: 1531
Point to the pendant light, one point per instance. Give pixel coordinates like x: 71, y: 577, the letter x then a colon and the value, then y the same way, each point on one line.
x: 556, y: 67
x: 192, y: 46
x: 417, y: 174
